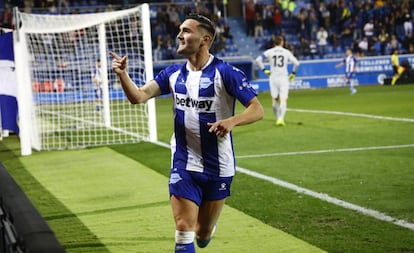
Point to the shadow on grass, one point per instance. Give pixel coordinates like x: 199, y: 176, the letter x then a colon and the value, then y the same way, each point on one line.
x: 80, y: 236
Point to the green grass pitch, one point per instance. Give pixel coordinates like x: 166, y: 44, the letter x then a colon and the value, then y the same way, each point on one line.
x: 358, y: 149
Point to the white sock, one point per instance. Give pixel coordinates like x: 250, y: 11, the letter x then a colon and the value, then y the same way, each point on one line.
x: 276, y: 109
x: 283, y: 108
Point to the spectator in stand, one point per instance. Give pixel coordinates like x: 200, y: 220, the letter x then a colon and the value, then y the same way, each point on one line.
x: 408, y: 41
x: 407, y: 21
x: 383, y: 39
x: 268, y: 18
x: 333, y: 15
x: 173, y: 18
x: 369, y: 29
x: 357, y: 26
x: 302, y: 27
x: 364, y: 46
x: 258, y: 26
x: 63, y: 6
x: 226, y: 32
x: 394, y: 43
x: 322, y: 38
x: 313, y: 23
x: 303, y: 47
x: 277, y: 21
x: 346, y: 37
x: 250, y: 13
x: 313, y: 49
x: 324, y: 15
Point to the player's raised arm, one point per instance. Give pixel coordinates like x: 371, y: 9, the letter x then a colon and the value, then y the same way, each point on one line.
x: 134, y: 94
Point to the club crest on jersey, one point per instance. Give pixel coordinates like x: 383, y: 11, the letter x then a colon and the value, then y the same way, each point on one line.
x: 205, y: 82
x: 174, y: 178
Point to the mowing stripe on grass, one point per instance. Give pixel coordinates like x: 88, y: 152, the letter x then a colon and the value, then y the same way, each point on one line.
x: 326, y: 151
x: 125, y: 205
x: 323, y: 196
x: 327, y: 198
x: 363, y: 115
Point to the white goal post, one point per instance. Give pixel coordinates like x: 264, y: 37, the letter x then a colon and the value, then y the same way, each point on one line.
x: 66, y: 101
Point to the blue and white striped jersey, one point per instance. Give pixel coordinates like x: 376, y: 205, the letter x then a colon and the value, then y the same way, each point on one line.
x: 201, y: 97
x: 350, y: 63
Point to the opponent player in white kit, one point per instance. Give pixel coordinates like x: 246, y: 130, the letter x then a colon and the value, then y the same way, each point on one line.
x: 279, y: 79
x: 204, y: 91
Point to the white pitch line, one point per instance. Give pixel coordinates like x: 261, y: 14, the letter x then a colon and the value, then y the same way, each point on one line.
x: 329, y: 199
x: 321, y: 196
x: 363, y: 115
x: 326, y: 151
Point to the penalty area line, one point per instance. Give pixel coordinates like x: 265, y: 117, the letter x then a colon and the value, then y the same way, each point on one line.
x: 326, y: 151
x: 325, y: 197
x: 362, y: 115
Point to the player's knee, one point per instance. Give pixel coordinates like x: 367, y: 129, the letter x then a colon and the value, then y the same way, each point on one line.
x: 184, y: 237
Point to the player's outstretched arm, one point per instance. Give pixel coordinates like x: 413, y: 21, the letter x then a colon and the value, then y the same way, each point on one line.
x: 253, y: 112
x: 134, y: 94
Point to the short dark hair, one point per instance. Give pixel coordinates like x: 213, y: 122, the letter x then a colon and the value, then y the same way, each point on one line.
x: 278, y: 40
x: 205, y: 23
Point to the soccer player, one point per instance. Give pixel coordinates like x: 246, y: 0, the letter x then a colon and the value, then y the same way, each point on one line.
x: 279, y: 78
x: 97, y: 84
x: 204, y: 90
x: 350, y: 62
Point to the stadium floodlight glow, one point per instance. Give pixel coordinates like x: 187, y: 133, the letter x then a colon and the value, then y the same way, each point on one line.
x: 50, y: 46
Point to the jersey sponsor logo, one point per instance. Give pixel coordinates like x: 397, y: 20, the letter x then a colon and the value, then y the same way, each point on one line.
x: 203, y: 105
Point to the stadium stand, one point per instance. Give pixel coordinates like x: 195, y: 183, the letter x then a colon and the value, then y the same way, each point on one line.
x: 347, y: 23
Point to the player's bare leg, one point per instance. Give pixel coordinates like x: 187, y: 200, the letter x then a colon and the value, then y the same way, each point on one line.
x: 208, y: 215
x: 185, y: 214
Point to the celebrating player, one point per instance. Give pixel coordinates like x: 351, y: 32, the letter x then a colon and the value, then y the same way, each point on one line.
x: 204, y: 90
x: 350, y: 62
x: 279, y: 79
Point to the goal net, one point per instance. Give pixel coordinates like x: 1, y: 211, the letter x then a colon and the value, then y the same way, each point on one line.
x: 68, y: 96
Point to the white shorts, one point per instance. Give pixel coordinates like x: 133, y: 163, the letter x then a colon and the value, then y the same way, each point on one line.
x: 279, y: 87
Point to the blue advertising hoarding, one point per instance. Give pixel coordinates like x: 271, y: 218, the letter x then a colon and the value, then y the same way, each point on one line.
x: 324, y: 74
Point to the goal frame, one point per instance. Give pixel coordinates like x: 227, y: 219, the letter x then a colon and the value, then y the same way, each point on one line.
x: 29, y: 133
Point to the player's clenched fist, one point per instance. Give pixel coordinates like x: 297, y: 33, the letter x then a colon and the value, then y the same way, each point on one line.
x: 119, y: 63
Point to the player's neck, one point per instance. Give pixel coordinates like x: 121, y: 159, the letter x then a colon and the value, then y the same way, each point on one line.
x: 198, y: 61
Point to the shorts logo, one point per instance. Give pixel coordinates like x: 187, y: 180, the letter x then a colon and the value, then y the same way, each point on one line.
x: 223, y: 187
x: 174, y: 178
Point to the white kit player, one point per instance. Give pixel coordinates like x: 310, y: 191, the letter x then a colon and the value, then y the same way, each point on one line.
x: 279, y: 78
x: 204, y: 90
